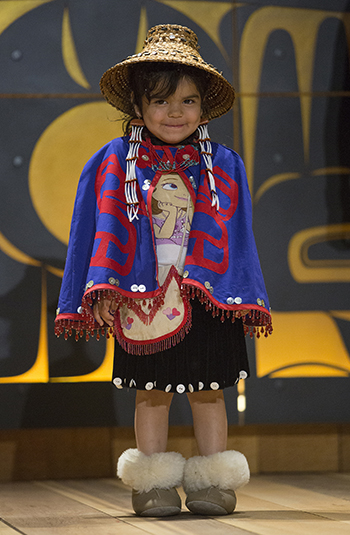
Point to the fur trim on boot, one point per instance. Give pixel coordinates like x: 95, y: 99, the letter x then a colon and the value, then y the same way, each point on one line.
x: 225, y: 470
x: 145, y: 472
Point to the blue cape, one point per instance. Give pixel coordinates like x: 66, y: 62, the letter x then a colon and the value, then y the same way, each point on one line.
x: 107, y: 252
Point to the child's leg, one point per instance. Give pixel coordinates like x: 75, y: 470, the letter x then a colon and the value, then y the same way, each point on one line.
x: 210, y: 479
x: 152, y: 420
x: 209, y: 421
x: 150, y: 470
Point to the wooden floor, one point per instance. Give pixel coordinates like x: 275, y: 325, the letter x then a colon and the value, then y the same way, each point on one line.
x: 270, y: 505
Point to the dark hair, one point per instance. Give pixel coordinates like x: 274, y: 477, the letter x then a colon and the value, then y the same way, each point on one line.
x: 160, y: 80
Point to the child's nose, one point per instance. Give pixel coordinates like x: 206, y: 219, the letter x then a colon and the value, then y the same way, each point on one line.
x: 175, y: 109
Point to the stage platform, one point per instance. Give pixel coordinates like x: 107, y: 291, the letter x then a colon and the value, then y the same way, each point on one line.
x: 293, y: 504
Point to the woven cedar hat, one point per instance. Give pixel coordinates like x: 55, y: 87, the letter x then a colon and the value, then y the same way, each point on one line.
x: 168, y: 43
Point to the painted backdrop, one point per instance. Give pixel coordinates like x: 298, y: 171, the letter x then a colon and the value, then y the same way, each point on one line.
x: 289, y: 63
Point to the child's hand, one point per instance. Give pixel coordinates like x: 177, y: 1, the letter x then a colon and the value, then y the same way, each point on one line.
x: 104, y: 311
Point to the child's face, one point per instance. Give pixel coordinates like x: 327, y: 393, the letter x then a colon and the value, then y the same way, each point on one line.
x: 175, y: 118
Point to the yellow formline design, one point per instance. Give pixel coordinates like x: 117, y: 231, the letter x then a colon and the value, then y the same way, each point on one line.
x: 303, y: 26
x: 208, y: 15
x: 102, y: 374
x: 273, y: 181
x: 11, y: 11
x: 305, y: 270
x: 39, y: 372
x: 69, y: 53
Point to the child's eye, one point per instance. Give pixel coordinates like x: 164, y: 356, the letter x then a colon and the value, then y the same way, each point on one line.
x: 160, y: 101
x: 189, y: 101
x: 170, y: 186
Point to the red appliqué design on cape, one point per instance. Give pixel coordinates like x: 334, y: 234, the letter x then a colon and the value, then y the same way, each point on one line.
x: 203, y: 205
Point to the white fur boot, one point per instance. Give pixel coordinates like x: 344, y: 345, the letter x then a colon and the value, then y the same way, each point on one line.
x: 210, y: 482
x: 154, y: 479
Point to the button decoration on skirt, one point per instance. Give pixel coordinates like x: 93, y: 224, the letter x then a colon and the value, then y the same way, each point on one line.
x: 200, y: 385
x: 149, y: 386
x: 180, y: 388
x: 118, y: 382
x: 168, y: 388
x: 214, y: 386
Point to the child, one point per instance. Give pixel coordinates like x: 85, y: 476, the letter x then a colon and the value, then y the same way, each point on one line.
x: 162, y: 254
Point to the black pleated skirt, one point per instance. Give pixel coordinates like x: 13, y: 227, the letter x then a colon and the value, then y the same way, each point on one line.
x: 212, y: 356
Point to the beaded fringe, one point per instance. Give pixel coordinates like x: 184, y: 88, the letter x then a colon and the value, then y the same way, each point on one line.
x: 206, y: 151
x: 150, y: 347
x: 132, y: 202
x: 255, y: 322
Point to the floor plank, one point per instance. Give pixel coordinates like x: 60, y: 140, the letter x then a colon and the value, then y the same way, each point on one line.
x: 6, y: 530
x: 282, y: 491
x: 332, y: 485
x: 93, y: 494
x: 33, y: 509
x: 292, y: 504
x: 284, y: 504
x: 264, y: 517
x: 102, y: 493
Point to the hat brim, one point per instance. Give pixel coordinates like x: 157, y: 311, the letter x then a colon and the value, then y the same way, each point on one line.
x: 115, y: 85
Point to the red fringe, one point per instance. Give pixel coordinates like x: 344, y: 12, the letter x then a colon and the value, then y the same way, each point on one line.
x: 256, y: 322
x: 157, y: 302
x: 149, y: 348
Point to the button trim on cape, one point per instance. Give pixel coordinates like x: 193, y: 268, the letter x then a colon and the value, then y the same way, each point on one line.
x: 138, y: 288
x: 146, y: 184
